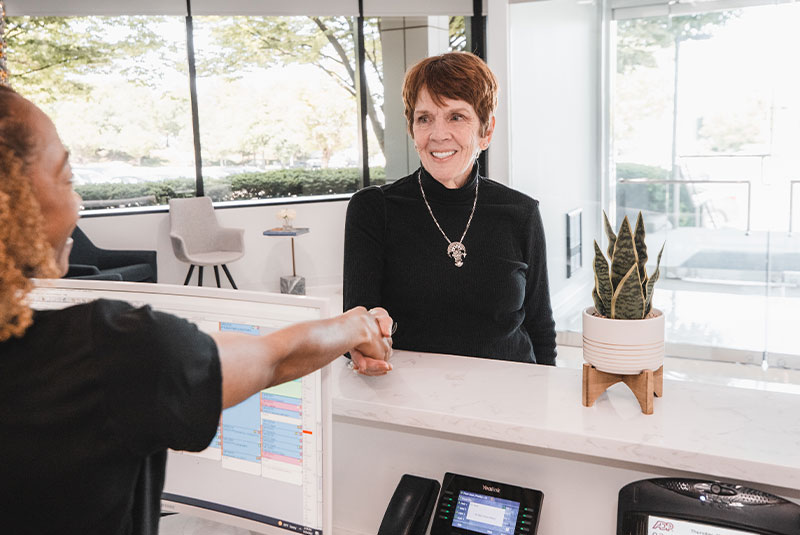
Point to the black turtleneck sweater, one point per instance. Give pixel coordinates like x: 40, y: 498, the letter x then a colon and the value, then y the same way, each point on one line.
x: 497, y: 305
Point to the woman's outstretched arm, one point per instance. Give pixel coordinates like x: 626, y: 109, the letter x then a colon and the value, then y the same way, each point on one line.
x: 252, y: 363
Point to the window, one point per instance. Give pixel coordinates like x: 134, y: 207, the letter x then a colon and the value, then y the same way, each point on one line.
x: 277, y: 104
x: 277, y: 101
x: 116, y: 89
x: 391, y: 46
x: 706, y: 127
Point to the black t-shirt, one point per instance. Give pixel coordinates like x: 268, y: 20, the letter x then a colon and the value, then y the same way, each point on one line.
x: 90, y: 399
x: 497, y: 305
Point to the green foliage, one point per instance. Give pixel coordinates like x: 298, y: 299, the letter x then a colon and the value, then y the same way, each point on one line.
x: 299, y: 182
x: 328, y: 43
x: 458, y: 34
x: 46, y: 53
x: 263, y: 185
x: 637, y: 170
x: 652, y: 197
x: 638, y: 39
x: 325, y: 42
x: 603, y: 290
x: 110, y: 86
x: 41, y: 48
x: 161, y: 191
x: 624, y: 290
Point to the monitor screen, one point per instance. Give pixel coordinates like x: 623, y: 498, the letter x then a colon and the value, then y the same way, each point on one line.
x: 267, y: 469
x: 657, y: 525
x: 485, y: 514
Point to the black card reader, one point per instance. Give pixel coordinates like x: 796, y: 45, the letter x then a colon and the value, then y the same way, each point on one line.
x: 469, y: 506
x: 674, y: 506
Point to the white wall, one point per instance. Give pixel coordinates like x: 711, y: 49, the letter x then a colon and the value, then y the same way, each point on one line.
x: 319, y: 254
x: 555, y: 106
x: 497, y: 52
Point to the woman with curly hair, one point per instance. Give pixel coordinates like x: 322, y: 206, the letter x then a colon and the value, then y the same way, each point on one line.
x: 25, y: 249
x: 92, y: 396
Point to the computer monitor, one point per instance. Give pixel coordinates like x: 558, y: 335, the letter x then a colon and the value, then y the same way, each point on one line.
x: 268, y: 467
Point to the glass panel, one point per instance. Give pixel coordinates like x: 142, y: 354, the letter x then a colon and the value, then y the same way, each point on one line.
x: 116, y: 88
x: 783, y: 339
x: 705, y: 132
x: 277, y: 106
x: 392, y: 45
x: 376, y: 118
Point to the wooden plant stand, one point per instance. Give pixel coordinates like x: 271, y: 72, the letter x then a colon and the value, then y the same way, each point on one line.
x: 644, y: 386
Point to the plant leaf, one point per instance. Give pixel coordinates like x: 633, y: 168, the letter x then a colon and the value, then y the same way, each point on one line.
x: 599, y: 306
x: 602, y: 282
x: 612, y: 238
x: 624, y: 254
x: 641, y: 248
x: 652, y: 282
x: 628, y: 300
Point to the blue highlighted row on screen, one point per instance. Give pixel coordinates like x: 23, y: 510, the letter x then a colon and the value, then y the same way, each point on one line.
x: 239, y: 328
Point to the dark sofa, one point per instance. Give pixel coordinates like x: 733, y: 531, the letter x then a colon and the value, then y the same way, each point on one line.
x: 87, y: 261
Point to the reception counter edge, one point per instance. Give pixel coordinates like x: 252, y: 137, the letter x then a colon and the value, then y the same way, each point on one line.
x: 729, y: 433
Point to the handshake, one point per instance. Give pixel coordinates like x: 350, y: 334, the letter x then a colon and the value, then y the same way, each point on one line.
x: 372, y: 357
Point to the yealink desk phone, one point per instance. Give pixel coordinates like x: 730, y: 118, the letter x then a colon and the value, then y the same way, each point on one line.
x: 466, y: 506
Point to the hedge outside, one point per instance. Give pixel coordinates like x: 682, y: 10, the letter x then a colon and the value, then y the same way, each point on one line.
x: 650, y: 197
x: 242, y: 186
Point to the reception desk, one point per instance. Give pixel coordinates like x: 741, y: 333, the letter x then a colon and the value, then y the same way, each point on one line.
x: 525, y: 425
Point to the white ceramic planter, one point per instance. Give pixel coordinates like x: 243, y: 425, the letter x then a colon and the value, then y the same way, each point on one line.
x: 625, y: 347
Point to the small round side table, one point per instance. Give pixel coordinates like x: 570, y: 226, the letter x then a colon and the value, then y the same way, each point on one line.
x: 291, y: 284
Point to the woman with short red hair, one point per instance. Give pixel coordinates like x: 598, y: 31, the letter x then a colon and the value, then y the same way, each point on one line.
x: 459, y: 259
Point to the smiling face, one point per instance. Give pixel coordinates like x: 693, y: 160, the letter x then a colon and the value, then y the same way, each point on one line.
x: 448, y: 138
x: 51, y: 177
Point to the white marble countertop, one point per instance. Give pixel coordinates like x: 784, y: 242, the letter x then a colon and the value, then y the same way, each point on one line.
x: 734, y: 433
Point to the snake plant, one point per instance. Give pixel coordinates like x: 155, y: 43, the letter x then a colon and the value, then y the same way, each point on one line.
x: 623, y: 290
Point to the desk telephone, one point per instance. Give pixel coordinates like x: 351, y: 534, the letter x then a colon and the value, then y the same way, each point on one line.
x: 466, y: 506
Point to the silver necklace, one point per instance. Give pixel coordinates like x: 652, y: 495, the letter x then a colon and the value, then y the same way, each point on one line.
x: 455, y: 249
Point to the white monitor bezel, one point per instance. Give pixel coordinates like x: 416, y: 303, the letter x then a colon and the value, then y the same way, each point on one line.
x: 118, y: 290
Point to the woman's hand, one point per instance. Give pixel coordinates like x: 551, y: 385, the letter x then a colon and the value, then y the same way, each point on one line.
x: 372, y: 356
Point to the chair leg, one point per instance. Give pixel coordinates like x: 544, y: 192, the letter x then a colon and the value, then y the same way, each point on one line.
x: 216, y: 275
x: 228, y: 273
x: 199, y: 275
x: 189, y: 275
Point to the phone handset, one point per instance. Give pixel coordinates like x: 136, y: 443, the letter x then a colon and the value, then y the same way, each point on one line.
x: 411, y: 506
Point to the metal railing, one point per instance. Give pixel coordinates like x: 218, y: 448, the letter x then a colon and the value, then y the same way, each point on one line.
x: 692, y: 181
x: 761, y: 157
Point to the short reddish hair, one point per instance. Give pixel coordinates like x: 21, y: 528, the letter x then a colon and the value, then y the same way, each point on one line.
x: 456, y: 76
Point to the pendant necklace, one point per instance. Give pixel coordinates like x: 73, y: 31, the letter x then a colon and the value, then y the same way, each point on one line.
x: 455, y: 249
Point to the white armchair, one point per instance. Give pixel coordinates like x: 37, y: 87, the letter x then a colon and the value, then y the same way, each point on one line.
x: 199, y: 240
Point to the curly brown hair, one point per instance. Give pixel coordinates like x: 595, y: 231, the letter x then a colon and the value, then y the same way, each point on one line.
x: 456, y: 76
x: 24, y: 250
